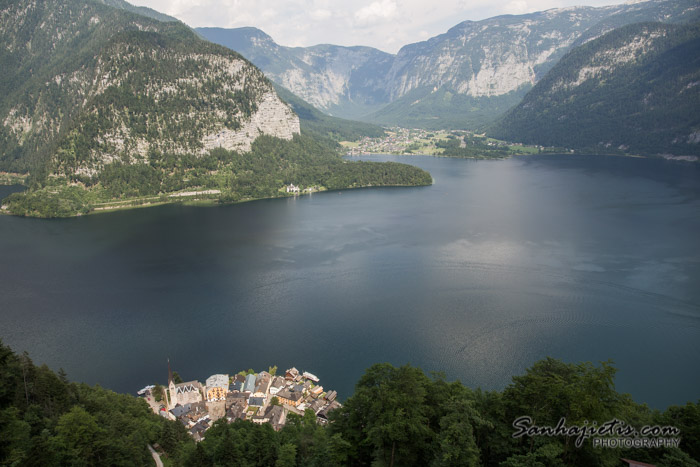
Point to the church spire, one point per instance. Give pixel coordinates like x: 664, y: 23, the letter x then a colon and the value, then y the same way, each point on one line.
x: 170, y: 374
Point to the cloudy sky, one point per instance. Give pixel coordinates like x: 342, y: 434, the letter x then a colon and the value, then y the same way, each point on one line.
x: 384, y: 24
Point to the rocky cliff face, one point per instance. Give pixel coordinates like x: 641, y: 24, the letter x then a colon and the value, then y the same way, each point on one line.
x: 344, y: 81
x: 634, y: 89
x: 272, y: 117
x: 86, y: 84
x: 486, y: 66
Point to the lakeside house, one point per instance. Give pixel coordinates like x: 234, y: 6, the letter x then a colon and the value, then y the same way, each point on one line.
x: 217, y: 387
x: 292, y: 188
x: 249, y: 385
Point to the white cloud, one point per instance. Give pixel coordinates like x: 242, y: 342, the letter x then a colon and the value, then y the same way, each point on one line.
x: 376, y: 11
x: 321, y: 13
x: 384, y: 24
x: 516, y: 7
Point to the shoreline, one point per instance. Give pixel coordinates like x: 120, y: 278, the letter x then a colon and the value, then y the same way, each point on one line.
x: 690, y: 159
x: 177, y: 198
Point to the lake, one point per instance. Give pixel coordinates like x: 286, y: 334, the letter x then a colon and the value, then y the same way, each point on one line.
x: 498, y: 264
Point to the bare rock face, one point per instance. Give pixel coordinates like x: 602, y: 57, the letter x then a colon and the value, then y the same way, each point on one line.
x: 273, y: 117
x: 633, y: 90
x: 479, y: 60
x: 141, y: 89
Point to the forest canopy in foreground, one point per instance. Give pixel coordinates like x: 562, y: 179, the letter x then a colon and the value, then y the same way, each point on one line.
x: 397, y: 416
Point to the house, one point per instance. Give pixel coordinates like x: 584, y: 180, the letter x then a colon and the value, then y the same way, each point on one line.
x: 180, y: 410
x: 291, y: 188
x: 262, y: 383
x: 276, y: 416
x: 197, y: 431
x: 236, y: 410
x: 259, y: 419
x: 256, y: 401
x: 236, y: 386
x: 331, y: 395
x: 316, y: 391
x: 277, y: 384
x: 323, y: 414
x: 249, y: 385
x: 233, y: 398
x: 317, y: 405
x: 217, y: 387
x: 198, y: 411
x: 291, y: 374
x: 290, y: 397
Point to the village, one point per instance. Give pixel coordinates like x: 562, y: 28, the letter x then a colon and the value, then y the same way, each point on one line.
x: 406, y: 141
x: 263, y: 397
x: 397, y: 141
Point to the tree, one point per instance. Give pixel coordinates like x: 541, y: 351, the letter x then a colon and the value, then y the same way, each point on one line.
x: 77, y: 435
x: 386, y: 418
x: 158, y: 392
x: 457, y: 446
x: 287, y: 456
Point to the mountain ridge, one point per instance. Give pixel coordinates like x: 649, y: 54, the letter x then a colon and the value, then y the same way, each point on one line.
x: 634, y: 89
x: 106, y: 108
x: 463, y: 78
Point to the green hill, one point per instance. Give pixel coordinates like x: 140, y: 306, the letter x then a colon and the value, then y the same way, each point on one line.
x: 106, y: 109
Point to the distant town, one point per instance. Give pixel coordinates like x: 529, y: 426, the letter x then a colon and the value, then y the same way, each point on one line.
x: 405, y: 141
x: 263, y: 397
x: 397, y: 141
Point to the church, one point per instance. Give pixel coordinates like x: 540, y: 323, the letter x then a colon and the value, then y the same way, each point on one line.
x: 183, y: 393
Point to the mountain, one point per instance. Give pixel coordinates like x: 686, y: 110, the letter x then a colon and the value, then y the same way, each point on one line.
x: 141, y: 10
x: 324, y: 126
x: 85, y: 84
x: 635, y: 89
x: 101, y: 104
x: 342, y: 81
x: 463, y: 78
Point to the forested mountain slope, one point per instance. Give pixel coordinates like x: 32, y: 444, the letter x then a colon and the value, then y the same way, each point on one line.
x: 635, y: 89
x: 107, y: 104
x: 463, y: 78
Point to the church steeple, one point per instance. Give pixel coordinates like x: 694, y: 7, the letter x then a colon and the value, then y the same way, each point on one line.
x: 170, y: 374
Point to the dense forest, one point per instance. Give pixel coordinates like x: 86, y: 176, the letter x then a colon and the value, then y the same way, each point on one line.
x: 104, y: 108
x: 263, y: 172
x: 397, y: 416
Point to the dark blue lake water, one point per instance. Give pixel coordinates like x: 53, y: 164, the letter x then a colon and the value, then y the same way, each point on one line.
x: 497, y: 265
